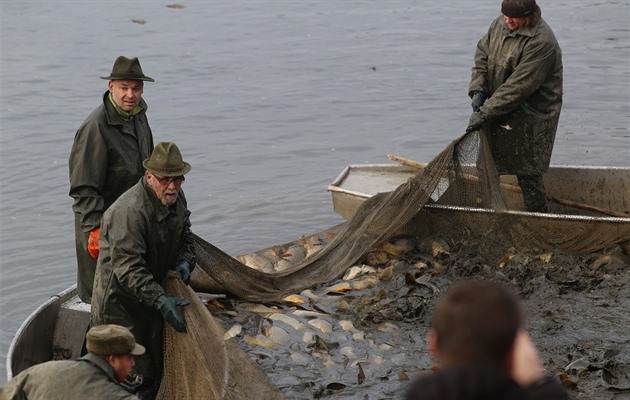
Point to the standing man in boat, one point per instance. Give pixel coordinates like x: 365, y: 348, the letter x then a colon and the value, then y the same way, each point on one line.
x: 106, y: 160
x: 516, y: 88
x: 96, y: 375
x: 145, y: 234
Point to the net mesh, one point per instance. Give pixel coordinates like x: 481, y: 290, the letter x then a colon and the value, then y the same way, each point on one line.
x: 201, y: 364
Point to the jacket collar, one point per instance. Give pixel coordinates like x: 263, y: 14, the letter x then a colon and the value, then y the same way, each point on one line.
x: 101, y: 364
x: 530, y: 32
x: 111, y: 110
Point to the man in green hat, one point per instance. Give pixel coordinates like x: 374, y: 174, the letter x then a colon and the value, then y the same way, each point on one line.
x: 110, y: 358
x: 106, y: 160
x: 145, y: 234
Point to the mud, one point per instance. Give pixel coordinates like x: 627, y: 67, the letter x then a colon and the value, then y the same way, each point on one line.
x: 363, y: 338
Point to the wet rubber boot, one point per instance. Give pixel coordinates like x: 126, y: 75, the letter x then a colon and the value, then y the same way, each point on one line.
x: 534, y: 194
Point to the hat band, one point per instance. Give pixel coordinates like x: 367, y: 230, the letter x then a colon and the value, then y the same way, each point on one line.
x: 166, y: 169
x: 127, y: 76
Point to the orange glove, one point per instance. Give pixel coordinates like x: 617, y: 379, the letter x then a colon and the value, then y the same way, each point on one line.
x: 93, y: 247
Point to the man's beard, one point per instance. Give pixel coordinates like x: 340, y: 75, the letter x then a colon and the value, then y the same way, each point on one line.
x: 164, y: 200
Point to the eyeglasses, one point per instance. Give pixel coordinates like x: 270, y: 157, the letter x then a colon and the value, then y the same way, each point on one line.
x: 166, y: 180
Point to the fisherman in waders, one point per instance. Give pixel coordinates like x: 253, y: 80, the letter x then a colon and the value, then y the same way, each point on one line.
x: 145, y: 234
x: 516, y: 88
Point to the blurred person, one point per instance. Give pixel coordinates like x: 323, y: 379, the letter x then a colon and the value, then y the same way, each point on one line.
x: 145, y: 234
x: 97, y: 375
x: 106, y: 160
x: 516, y: 90
x: 478, y: 338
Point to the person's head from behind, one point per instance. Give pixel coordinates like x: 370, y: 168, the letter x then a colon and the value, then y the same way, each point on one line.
x: 126, y: 83
x: 475, y: 324
x: 165, y: 171
x: 116, y: 345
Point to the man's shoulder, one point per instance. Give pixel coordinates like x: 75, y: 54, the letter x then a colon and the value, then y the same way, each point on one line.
x: 82, y: 380
x: 459, y: 383
x: 97, y: 115
x: 545, y: 33
x: 132, y: 198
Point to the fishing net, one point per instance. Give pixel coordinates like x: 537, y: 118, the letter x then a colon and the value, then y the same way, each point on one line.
x: 201, y: 364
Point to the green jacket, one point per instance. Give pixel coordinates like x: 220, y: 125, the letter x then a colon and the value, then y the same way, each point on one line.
x: 521, y: 73
x: 141, y: 240
x: 88, y: 378
x: 105, y: 160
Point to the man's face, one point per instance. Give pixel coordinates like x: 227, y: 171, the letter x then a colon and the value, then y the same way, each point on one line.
x: 126, y: 94
x: 122, y: 365
x: 166, y: 188
x: 514, y: 23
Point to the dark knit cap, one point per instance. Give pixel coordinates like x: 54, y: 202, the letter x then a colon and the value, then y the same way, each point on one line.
x: 518, y: 8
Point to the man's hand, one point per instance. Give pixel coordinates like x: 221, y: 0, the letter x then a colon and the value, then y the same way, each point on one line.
x: 167, y: 306
x: 478, y: 99
x: 93, y: 247
x: 476, y: 121
x: 526, y: 365
x: 184, y: 268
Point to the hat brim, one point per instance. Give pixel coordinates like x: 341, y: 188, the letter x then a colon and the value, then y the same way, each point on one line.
x: 178, y: 172
x: 138, y: 350
x: 128, y: 78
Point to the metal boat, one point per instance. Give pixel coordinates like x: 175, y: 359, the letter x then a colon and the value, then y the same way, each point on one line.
x: 589, y: 206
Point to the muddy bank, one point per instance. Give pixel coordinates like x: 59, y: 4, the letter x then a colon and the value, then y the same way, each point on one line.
x: 362, y: 337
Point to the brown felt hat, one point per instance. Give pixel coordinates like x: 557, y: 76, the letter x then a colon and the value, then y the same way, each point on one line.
x: 166, y: 160
x: 106, y: 340
x: 127, y: 69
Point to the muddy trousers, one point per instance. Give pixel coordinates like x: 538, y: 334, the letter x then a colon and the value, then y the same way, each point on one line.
x: 534, y: 195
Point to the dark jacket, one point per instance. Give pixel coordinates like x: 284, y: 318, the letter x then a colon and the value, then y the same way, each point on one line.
x: 521, y: 73
x: 105, y: 160
x: 481, y: 384
x: 141, y: 240
x: 88, y: 378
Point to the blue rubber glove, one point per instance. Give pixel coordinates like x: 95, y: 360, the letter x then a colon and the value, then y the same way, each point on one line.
x: 478, y: 98
x: 167, y: 306
x: 184, y: 268
x: 476, y: 121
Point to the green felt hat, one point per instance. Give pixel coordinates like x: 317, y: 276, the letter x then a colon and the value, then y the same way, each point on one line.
x: 166, y: 160
x: 127, y: 69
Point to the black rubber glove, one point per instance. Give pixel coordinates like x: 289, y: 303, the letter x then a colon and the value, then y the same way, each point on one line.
x: 184, y: 268
x: 167, y: 306
x: 478, y: 98
x: 476, y: 121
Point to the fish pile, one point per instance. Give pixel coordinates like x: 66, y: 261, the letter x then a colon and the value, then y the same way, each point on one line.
x: 280, y: 258
x: 345, y: 338
x: 362, y: 337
